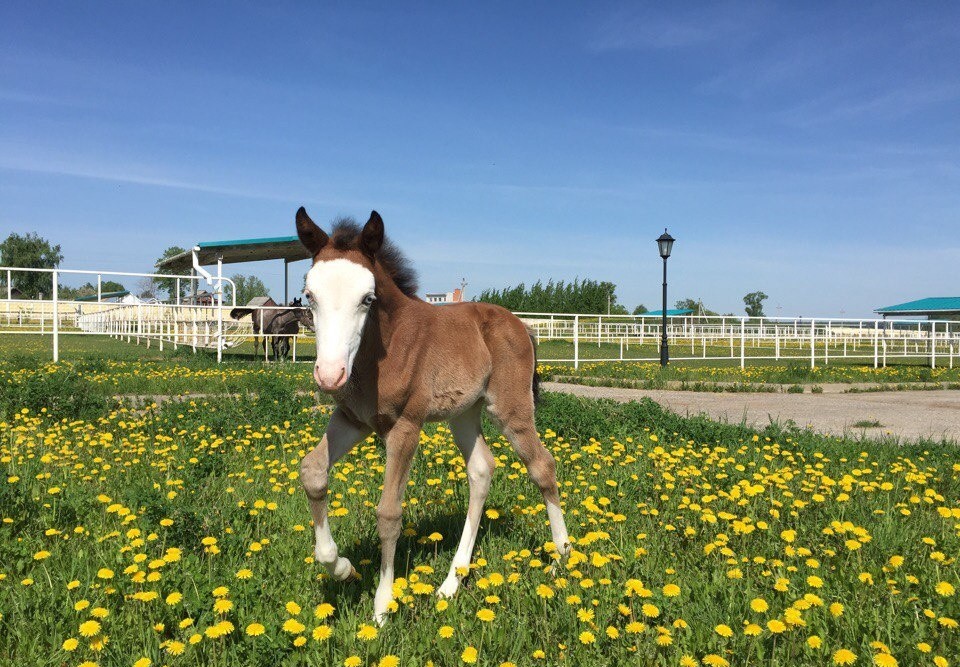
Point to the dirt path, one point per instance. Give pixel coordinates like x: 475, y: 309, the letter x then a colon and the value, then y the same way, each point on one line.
x: 905, y: 414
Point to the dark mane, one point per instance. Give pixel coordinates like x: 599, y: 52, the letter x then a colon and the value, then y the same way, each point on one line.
x: 346, y: 236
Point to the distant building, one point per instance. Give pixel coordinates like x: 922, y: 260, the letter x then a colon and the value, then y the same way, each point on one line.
x: 443, y: 298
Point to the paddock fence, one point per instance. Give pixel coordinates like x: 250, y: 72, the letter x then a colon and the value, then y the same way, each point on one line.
x: 562, y: 338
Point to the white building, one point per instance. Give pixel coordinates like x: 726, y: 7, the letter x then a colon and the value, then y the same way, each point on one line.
x: 443, y: 298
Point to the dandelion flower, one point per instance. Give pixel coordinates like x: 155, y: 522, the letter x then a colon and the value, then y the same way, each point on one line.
x: 366, y: 632
x: 469, y: 655
x: 945, y: 588
x: 255, y: 629
x: 89, y: 628
x: 844, y: 657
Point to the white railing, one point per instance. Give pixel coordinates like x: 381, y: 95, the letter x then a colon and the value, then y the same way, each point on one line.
x: 606, y: 338
x: 58, y: 316
x: 562, y: 338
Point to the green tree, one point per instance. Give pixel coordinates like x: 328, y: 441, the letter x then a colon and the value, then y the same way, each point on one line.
x: 754, y: 303
x: 579, y: 296
x: 248, y: 287
x: 640, y: 310
x: 169, y: 285
x: 30, y: 251
x: 90, y: 289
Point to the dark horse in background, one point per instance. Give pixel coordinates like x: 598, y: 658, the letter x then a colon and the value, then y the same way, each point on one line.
x: 273, y: 321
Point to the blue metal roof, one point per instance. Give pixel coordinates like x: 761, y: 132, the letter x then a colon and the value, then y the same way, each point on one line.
x: 675, y: 312
x: 933, y: 304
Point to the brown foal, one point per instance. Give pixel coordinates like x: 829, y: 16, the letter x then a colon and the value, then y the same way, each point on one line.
x: 392, y: 362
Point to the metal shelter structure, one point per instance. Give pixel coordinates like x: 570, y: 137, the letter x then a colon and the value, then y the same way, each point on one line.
x: 931, y: 308
x: 286, y: 248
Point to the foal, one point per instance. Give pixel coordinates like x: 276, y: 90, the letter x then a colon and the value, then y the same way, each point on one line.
x: 392, y: 362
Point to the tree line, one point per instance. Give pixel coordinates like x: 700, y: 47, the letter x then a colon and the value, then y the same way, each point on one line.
x: 35, y: 252
x: 577, y: 296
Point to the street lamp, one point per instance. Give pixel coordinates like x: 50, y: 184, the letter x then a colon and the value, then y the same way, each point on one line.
x: 665, y: 244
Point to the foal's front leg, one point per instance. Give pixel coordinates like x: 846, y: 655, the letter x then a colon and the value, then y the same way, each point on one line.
x: 341, y: 436
x: 401, y: 444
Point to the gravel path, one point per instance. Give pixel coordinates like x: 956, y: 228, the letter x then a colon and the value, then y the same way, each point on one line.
x: 907, y: 415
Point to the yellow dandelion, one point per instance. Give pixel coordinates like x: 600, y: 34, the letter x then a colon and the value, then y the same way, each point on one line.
x: 89, y: 628
x: 366, y: 632
x: 844, y: 657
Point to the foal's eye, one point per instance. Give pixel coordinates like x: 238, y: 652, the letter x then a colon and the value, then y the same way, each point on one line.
x: 368, y: 300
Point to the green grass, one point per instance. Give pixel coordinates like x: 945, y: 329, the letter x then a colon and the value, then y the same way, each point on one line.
x: 102, y: 507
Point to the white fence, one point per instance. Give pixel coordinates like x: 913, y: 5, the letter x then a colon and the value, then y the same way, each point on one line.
x: 609, y: 338
x: 562, y: 338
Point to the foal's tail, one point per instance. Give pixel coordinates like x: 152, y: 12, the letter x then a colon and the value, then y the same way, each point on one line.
x: 536, y: 374
x: 237, y: 313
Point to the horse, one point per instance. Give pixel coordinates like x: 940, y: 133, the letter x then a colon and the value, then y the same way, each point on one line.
x: 273, y: 320
x: 392, y: 362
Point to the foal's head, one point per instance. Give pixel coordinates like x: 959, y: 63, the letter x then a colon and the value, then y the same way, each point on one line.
x: 342, y: 289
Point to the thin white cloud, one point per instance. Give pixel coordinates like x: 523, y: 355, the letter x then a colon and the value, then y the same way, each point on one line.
x: 138, y: 175
x: 673, y: 28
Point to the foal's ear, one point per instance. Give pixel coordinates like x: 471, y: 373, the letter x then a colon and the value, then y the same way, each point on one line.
x: 312, y: 237
x: 371, y: 238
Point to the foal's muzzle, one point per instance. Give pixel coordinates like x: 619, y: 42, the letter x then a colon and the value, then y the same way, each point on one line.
x: 330, y: 377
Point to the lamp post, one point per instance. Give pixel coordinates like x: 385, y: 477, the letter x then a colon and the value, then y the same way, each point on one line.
x: 665, y: 244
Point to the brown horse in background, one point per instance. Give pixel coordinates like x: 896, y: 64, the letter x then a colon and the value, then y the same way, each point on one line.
x: 393, y: 362
x: 278, y: 323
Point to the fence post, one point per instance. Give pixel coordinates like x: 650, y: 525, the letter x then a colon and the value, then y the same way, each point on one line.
x: 743, y: 339
x: 813, y: 344
x: 933, y: 345
x: 219, y: 298
x: 576, y: 342
x: 56, y: 317
x: 876, y: 336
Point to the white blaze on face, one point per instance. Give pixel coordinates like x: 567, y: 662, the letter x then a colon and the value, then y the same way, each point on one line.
x: 341, y: 293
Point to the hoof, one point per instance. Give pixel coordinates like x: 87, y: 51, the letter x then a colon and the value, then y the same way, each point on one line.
x: 448, y: 588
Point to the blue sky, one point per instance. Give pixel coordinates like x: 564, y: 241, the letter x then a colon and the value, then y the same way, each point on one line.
x: 811, y: 150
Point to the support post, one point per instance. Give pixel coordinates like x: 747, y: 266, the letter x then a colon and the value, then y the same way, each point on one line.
x: 576, y: 342
x: 743, y: 340
x: 219, y: 301
x: 813, y: 344
x: 933, y: 345
x: 99, y: 288
x: 56, y: 316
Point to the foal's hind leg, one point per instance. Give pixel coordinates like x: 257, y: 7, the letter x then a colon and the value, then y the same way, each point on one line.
x: 340, y: 438
x: 480, y: 465
x: 515, y: 418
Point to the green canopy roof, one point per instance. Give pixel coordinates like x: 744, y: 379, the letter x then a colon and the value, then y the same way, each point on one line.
x: 933, y: 305
x: 287, y: 248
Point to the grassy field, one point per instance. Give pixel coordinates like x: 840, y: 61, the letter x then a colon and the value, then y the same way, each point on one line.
x: 130, y: 368
x: 178, y: 535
